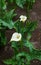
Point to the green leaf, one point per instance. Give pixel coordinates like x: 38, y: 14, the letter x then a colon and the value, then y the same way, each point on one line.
x: 8, y: 24
x: 29, y: 35
x: 8, y: 61
x: 6, y: 21
x: 36, y: 54
x: 29, y: 45
x: 10, y: 14
x: 2, y: 4
x: 14, y: 45
x: 33, y: 25
x: 30, y: 26
x: 30, y: 4
x: 11, y: 1
x: 20, y: 55
x: 33, y: 1
x: 17, y: 25
x: 20, y: 3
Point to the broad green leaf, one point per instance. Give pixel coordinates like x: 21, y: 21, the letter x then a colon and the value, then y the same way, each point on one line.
x: 29, y: 45
x: 8, y: 24
x: 33, y: 1
x: 2, y: 4
x: 29, y: 35
x: 8, y: 61
x: 11, y: 1
x: 9, y: 15
x: 14, y: 45
x: 20, y: 3
x: 20, y: 55
x: 21, y: 59
x: 6, y: 21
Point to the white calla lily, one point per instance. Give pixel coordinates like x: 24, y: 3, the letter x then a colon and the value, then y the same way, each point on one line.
x: 23, y: 18
x: 16, y: 37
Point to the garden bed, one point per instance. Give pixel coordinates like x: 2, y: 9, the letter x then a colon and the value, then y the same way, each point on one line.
x: 35, y: 14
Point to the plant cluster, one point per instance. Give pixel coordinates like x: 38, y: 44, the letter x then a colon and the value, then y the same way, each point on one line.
x: 22, y: 3
x: 21, y: 38
x: 6, y: 21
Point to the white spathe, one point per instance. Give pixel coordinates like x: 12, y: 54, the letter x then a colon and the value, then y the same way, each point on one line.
x: 16, y: 37
x: 23, y: 18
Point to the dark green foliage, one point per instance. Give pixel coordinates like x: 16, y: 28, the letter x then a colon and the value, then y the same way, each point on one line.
x: 2, y: 38
x: 24, y: 58
x: 21, y: 3
x: 20, y: 57
x: 6, y: 21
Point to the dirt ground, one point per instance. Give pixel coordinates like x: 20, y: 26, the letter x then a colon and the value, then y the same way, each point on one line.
x: 35, y: 14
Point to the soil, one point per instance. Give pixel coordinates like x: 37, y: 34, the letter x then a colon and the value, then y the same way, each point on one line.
x: 35, y: 14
